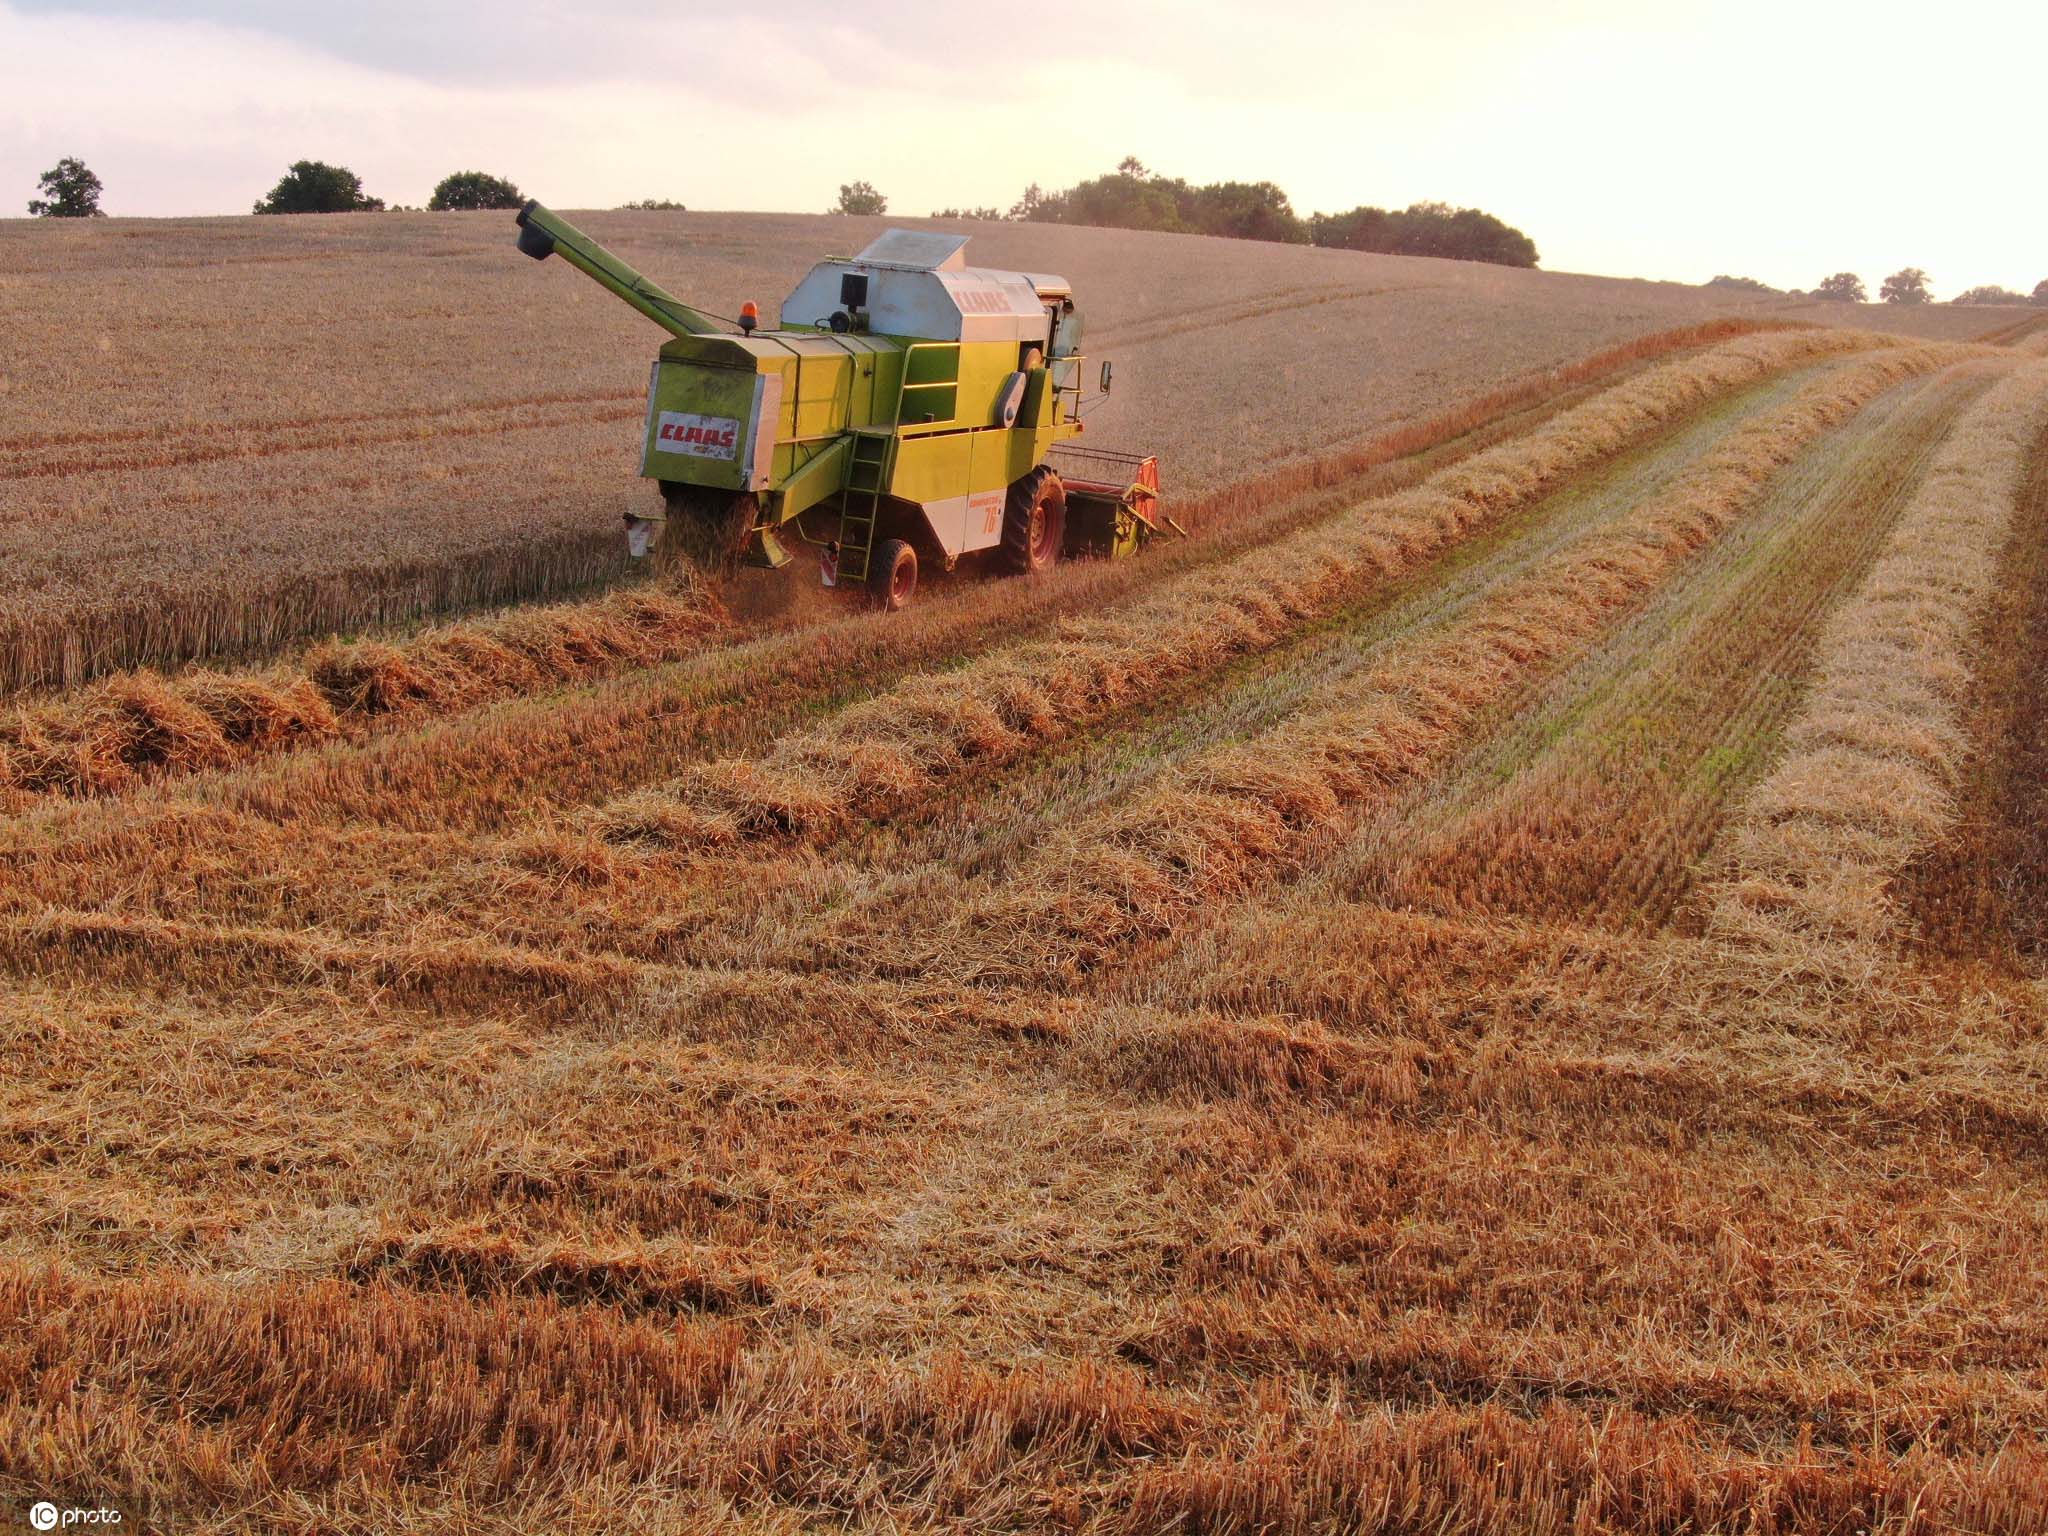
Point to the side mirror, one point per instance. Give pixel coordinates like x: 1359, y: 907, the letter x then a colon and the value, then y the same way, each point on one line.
x: 1105, y: 377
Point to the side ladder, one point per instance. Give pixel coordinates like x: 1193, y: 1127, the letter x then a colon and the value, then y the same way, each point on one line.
x: 860, y: 500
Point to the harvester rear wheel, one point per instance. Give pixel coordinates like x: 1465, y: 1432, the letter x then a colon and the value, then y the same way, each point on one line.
x: 1034, y: 522
x: 892, y: 575
x: 707, y: 528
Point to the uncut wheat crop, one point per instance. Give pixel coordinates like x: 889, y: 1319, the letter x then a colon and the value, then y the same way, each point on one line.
x: 1498, y: 986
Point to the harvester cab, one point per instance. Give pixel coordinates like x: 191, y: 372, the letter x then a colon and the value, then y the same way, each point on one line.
x: 906, y: 409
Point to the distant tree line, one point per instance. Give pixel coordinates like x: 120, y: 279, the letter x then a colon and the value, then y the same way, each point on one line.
x: 71, y: 191
x: 1133, y: 197
x: 1993, y: 294
x: 1908, y: 285
x: 1130, y: 197
x: 1427, y: 229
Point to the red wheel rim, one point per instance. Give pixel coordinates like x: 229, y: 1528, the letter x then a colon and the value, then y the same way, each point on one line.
x: 901, y: 580
x: 1041, y: 534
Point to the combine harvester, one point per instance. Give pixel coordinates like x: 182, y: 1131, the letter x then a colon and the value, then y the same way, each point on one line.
x: 907, y: 404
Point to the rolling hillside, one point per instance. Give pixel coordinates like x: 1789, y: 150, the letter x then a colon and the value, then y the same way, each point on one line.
x: 1498, y: 987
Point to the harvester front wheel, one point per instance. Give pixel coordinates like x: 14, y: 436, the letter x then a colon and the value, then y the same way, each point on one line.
x: 892, y: 575
x: 1034, y: 522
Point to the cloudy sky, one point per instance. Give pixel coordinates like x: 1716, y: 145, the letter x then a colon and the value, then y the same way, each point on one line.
x: 1675, y: 138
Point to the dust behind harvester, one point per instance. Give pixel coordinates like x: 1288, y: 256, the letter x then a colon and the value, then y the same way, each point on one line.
x: 907, y: 410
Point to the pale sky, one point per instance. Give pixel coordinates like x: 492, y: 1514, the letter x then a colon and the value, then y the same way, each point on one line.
x: 1769, y: 138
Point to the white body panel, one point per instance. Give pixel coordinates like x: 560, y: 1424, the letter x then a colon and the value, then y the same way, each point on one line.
x: 985, y: 518
x: 949, y: 523
x: 967, y: 523
x: 963, y: 524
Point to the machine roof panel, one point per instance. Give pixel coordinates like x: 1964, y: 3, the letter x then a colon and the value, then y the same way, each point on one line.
x: 916, y: 250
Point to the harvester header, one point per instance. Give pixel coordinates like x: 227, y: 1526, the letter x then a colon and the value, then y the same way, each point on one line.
x: 903, y: 410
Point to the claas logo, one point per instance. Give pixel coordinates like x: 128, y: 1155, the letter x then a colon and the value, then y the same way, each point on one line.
x: 709, y: 437
x: 714, y: 437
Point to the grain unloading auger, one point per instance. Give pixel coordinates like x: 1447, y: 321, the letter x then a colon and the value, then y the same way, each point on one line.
x: 907, y: 409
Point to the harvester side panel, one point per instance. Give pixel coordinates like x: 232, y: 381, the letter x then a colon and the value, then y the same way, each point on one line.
x: 931, y: 471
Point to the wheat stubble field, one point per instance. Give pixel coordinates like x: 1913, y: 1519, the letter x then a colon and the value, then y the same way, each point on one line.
x: 1499, y: 987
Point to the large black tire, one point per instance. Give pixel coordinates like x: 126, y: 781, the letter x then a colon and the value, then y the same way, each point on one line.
x: 892, y: 575
x: 1034, y: 522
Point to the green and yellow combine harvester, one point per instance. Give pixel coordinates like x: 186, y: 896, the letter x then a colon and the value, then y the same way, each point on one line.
x: 906, y: 409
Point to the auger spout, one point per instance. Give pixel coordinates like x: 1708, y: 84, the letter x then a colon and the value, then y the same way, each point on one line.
x: 543, y: 234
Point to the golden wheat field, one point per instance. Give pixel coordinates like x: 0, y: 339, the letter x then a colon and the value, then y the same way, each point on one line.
x: 251, y: 436
x: 1500, y: 986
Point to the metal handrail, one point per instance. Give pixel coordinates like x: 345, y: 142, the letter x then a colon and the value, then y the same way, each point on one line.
x: 904, y: 386
x: 1072, y: 361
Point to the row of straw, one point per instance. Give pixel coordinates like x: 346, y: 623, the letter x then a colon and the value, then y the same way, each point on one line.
x: 886, y: 752
x: 625, y: 736
x: 1212, y: 828
x: 1873, y: 756
x: 247, y: 1407
x: 111, y: 734
x: 1596, y: 805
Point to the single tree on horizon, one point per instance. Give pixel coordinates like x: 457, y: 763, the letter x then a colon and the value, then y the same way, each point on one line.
x: 859, y: 197
x: 469, y: 191
x: 1908, y: 285
x: 70, y: 191
x: 2041, y: 291
x: 313, y: 186
x: 1842, y: 288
